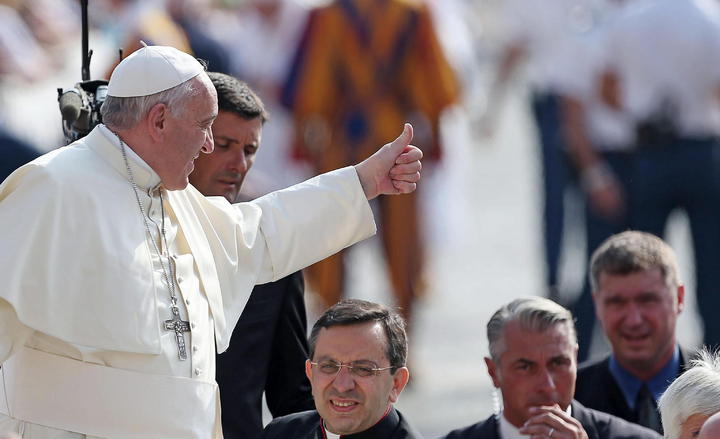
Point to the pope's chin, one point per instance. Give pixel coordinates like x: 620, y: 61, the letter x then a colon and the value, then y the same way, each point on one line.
x: 176, y: 184
x: 180, y: 183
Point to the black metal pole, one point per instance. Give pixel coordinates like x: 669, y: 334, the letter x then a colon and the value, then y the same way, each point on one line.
x: 85, y: 54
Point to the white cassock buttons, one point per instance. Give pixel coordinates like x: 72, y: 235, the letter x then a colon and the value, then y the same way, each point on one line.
x: 194, y: 348
x: 192, y: 325
x: 198, y: 371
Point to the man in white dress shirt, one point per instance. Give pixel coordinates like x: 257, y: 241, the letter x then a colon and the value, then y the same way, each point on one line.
x: 120, y: 281
x: 533, y: 361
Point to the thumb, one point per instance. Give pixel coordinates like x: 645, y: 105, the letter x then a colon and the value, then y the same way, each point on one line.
x: 398, y: 145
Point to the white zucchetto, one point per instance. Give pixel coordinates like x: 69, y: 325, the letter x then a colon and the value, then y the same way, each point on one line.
x: 152, y: 69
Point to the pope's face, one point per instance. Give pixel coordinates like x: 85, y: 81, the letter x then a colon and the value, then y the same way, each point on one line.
x: 236, y: 142
x: 348, y: 403
x: 638, y: 312
x: 189, y: 134
x: 536, y: 369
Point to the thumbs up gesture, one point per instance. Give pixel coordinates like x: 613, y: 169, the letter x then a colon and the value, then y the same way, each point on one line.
x: 393, y: 169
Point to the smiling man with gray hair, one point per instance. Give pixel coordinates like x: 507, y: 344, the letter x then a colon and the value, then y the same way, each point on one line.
x: 533, y: 361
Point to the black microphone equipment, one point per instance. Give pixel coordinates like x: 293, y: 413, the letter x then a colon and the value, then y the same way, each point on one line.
x: 80, y: 105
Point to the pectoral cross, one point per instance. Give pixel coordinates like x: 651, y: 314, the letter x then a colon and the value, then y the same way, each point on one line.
x: 179, y: 326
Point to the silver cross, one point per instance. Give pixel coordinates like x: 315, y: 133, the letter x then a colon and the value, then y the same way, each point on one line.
x: 179, y: 326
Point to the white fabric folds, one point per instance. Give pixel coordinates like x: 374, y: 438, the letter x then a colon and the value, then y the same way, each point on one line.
x: 103, y: 401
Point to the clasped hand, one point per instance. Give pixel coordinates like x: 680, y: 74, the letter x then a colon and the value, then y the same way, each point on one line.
x: 552, y: 422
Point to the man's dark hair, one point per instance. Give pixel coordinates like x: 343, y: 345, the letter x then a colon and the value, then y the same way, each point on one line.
x: 352, y: 312
x: 237, y: 97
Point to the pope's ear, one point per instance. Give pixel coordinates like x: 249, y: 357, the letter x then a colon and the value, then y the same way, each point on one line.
x: 156, y: 120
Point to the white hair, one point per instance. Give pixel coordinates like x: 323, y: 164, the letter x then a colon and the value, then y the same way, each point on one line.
x: 697, y: 391
x: 125, y: 113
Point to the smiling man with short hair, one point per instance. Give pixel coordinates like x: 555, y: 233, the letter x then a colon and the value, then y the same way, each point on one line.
x: 357, y: 370
x: 638, y: 297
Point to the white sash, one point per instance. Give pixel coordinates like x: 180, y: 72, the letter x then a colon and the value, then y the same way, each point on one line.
x: 86, y: 398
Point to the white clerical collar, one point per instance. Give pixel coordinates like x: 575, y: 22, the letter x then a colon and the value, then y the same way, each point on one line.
x: 330, y: 434
x: 509, y: 431
x: 145, y: 176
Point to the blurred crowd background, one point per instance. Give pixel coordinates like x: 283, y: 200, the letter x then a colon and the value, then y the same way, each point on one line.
x: 525, y: 154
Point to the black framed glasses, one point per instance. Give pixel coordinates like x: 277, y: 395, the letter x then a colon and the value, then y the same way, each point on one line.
x: 362, y: 369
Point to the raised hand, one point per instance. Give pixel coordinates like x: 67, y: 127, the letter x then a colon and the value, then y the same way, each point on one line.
x: 393, y: 169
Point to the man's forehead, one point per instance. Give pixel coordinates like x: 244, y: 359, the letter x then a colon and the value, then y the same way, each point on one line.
x: 233, y: 126
x: 522, y: 342
x: 634, y: 282
x: 353, y: 340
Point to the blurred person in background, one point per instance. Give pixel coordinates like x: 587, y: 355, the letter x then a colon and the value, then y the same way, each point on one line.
x: 600, y: 141
x: 692, y: 398
x: 129, y: 23
x: 638, y: 298
x: 543, y: 33
x: 268, y: 346
x: 22, y: 60
x: 362, y: 67
x: 193, y: 18
x: 656, y: 72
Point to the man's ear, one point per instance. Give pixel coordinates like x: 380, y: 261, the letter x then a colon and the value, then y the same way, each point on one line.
x: 492, y: 371
x: 308, y: 369
x: 400, y: 380
x: 157, y: 119
x: 680, y: 298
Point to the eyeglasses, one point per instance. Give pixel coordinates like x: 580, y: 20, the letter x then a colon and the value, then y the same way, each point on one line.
x: 361, y: 369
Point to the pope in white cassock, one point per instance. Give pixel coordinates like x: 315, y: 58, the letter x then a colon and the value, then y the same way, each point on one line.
x: 120, y: 281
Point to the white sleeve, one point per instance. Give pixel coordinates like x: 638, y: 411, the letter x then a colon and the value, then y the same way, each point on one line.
x: 313, y: 220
